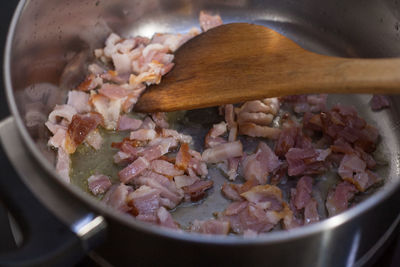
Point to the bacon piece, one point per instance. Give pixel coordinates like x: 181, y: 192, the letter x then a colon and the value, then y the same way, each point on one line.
x: 183, y: 157
x: 185, y: 180
x: 81, y: 126
x: 379, y: 102
x: 94, y: 139
x: 311, y: 213
x: 116, y: 197
x: 165, y: 168
x: 196, y: 191
x: 249, y: 216
x: 260, y: 164
x: 208, y: 21
x: 258, y: 118
x: 303, y: 192
x: 171, y: 196
x: 109, y: 109
x: 182, y: 138
x: 63, y: 164
x: 306, y: 161
x: 79, y: 100
x: 98, y: 184
x: 254, y: 130
x: 133, y: 169
x: 212, y: 226
x: 143, y: 134
x: 160, y: 118
x: 338, y: 199
x: 122, y: 158
x: 165, y: 219
x: 265, y: 197
x: 223, y: 152
x: 127, y: 123
x: 145, y: 202
x: 113, y: 91
x: 349, y: 165
x: 230, y: 191
x: 91, y: 81
x: 62, y: 112
x: 174, y: 41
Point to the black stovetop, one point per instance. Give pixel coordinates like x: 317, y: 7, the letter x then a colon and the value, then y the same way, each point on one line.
x: 390, y: 256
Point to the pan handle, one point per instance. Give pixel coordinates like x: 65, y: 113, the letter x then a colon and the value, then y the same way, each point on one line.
x: 47, y: 240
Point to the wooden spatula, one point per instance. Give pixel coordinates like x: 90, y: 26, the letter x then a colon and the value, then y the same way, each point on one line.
x: 238, y: 62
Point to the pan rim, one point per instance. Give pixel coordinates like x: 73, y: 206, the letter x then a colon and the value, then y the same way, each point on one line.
x: 274, y: 237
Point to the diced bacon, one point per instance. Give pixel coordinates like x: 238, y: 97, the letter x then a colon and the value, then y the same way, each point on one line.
x: 306, y: 161
x: 230, y: 116
x: 182, y: 138
x: 230, y: 192
x: 160, y: 118
x: 113, y: 91
x: 212, y: 226
x: 96, y: 69
x: 133, y: 169
x: 352, y: 166
x: 223, y: 152
x: 58, y: 139
x: 81, y: 126
x: 230, y: 167
x: 183, y: 157
x: 148, y: 123
x: 379, y: 102
x: 265, y: 197
x: 185, y: 180
x: 127, y: 123
x: 99, y: 184
x: 109, y: 109
x: 307, y: 103
x: 143, y: 134
x: 145, y: 202
x: 254, y: 130
x: 91, y: 82
x: 165, y: 219
x: 218, y: 129
x: 267, y: 106
x: 286, y: 140
x: 303, y: 192
x: 165, y: 168
x: 198, y: 166
x: 289, y: 220
x: 174, y: 41
x: 170, y: 194
x: 338, y: 199
x: 116, y: 197
x: 122, y: 158
x: 259, y: 165
x: 311, y: 213
x: 63, y: 164
x: 53, y: 128
x: 258, y: 118
x: 208, y: 21
x: 94, y: 139
x: 196, y: 191
x: 154, y: 152
x: 79, y: 100
x: 62, y: 112
x: 251, y: 217
x: 211, y: 142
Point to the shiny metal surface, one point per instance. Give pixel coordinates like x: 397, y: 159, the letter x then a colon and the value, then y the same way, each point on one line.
x: 50, y: 43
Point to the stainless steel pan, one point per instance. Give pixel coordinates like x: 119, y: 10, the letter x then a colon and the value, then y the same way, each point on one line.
x: 49, y: 44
